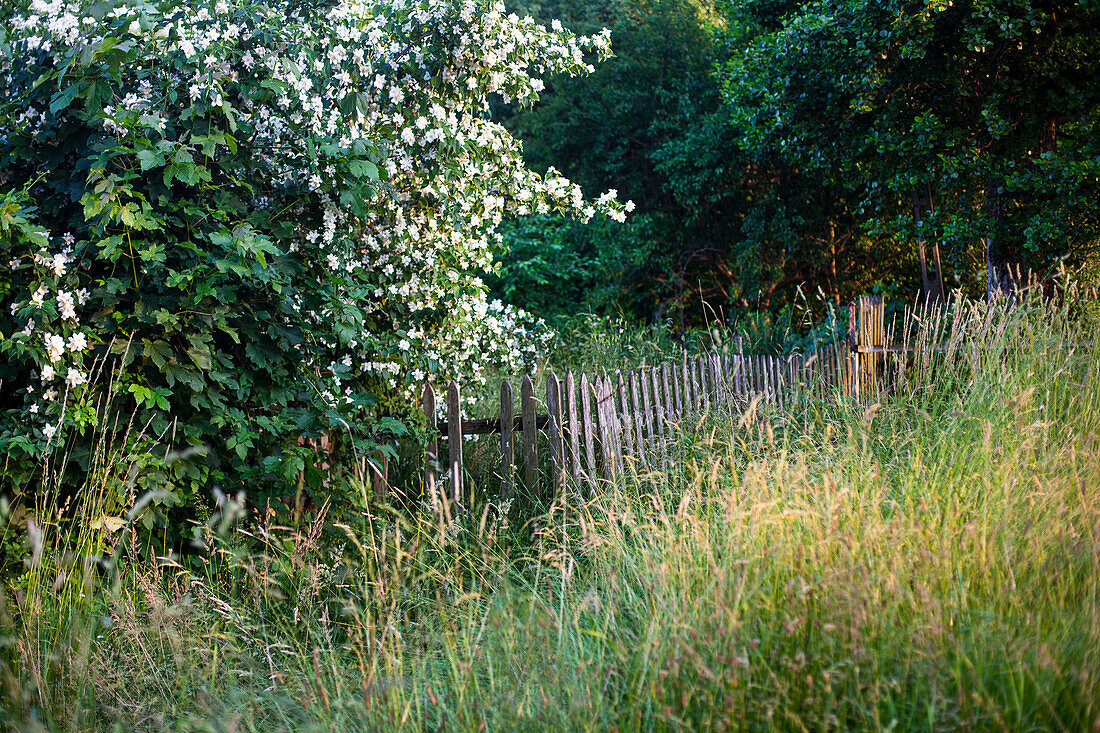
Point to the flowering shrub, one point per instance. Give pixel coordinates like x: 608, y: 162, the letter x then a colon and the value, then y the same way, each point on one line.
x: 268, y: 218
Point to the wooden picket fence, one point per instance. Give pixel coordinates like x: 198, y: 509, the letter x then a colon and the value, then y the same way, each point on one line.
x: 599, y: 427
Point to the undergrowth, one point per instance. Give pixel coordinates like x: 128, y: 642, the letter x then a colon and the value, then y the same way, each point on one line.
x: 927, y: 561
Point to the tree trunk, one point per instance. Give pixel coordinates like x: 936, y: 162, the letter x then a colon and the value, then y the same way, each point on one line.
x: 1002, y: 259
x: 933, y: 287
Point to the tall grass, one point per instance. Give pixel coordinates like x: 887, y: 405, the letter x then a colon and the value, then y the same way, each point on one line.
x: 929, y: 561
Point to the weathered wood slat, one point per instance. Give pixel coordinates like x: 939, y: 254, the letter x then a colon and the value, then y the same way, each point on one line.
x: 699, y: 372
x: 781, y: 379
x: 677, y: 394
x: 574, y: 427
x: 530, y: 436
x: 555, y: 430
x: 454, y: 442
x: 492, y: 425
x: 647, y: 411
x: 685, y: 392
x: 609, y: 431
x: 587, y: 429
x: 715, y: 381
x: 507, y: 447
x: 635, y: 440
x: 658, y: 404
x: 623, y: 421
x: 670, y: 398
x: 627, y: 415
x: 660, y: 442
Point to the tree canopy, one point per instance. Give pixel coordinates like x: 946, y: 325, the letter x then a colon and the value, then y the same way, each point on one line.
x: 835, y: 146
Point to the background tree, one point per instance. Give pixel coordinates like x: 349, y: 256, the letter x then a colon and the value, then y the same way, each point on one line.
x: 971, y: 125
x: 837, y: 146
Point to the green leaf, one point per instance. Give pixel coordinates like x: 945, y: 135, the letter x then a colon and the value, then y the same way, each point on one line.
x: 363, y: 169
x: 64, y: 98
x: 159, y: 352
x: 150, y: 158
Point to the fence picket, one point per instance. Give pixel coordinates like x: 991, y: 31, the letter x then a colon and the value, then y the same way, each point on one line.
x: 557, y: 445
x: 530, y: 435
x: 609, y: 429
x: 699, y: 376
x: 715, y: 381
x: 678, y: 396
x: 670, y: 399
x: 574, y: 426
x: 507, y: 449
x: 587, y: 428
x: 624, y: 422
x: 454, y: 442
x: 628, y: 420
x: 647, y: 410
x: 689, y: 393
x: 635, y: 441
x: 658, y: 404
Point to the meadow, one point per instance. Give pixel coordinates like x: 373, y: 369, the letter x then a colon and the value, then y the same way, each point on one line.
x: 927, y: 561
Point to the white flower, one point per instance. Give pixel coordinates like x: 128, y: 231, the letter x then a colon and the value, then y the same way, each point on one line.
x: 39, y: 296
x: 82, y: 296
x: 55, y: 346
x: 78, y: 342
x: 49, y: 431
x: 34, y: 409
x: 65, y: 302
x: 48, y: 373
x: 75, y: 378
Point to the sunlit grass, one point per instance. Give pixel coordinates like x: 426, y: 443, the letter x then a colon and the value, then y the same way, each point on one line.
x: 929, y: 561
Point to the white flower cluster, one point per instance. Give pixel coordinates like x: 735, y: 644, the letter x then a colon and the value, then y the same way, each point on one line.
x: 401, y: 84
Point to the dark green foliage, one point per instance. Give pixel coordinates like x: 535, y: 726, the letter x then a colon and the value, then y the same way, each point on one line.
x: 610, y: 131
x: 182, y: 241
x: 777, y: 147
x: 978, y: 118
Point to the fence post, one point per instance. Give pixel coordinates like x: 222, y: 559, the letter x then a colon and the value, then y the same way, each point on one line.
x: 507, y: 447
x: 454, y: 442
x: 557, y: 452
x: 380, y: 474
x: 530, y: 435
